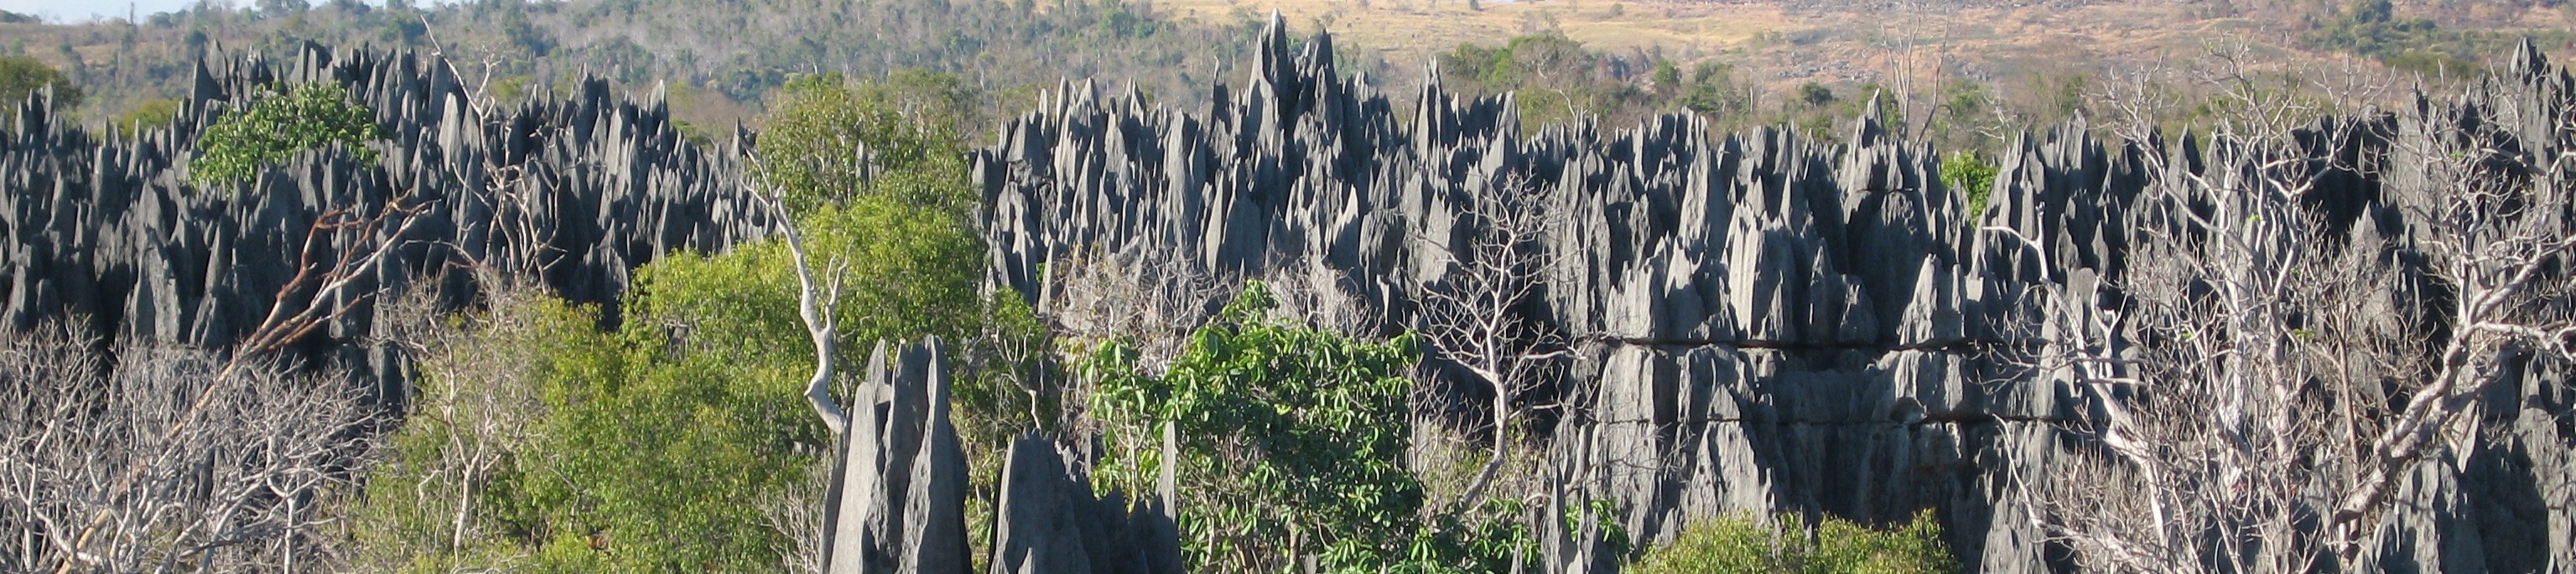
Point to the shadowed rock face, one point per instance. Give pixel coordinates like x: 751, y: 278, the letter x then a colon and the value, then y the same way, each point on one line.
x: 1762, y: 324
x: 898, y: 497
x: 1049, y: 521
x: 572, y: 195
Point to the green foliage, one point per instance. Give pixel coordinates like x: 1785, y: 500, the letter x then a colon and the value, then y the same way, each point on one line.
x: 812, y: 141
x: 1291, y: 442
x: 1967, y: 117
x: 649, y: 460
x: 632, y: 458
x: 1285, y: 439
x: 2067, y: 94
x: 279, y: 125
x: 1713, y: 91
x: 468, y: 417
x: 21, y: 76
x: 2371, y: 28
x: 1731, y: 544
x: 150, y: 114
x: 658, y: 445
x: 1555, y: 79
x: 1971, y: 174
x: 1815, y: 94
x: 903, y: 273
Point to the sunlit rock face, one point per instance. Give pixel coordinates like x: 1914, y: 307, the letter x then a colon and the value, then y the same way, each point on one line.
x: 1760, y: 323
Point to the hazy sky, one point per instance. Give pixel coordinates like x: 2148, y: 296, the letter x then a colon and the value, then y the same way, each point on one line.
x: 85, y: 10
x: 82, y: 10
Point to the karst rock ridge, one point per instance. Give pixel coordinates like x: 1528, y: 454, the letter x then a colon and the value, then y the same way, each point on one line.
x: 1759, y: 322
x: 106, y: 232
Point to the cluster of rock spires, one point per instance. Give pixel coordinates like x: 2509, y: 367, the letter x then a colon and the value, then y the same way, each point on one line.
x: 106, y: 230
x: 899, y: 499
x: 1762, y: 323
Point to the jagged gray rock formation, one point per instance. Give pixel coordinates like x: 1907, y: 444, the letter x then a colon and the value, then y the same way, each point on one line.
x: 899, y: 498
x: 1761, y: 323
x: 1049, y: 522
x: 570, y: 194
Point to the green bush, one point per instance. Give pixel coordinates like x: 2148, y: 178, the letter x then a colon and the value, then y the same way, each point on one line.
x: 278, y: 125
x: 612, y: 453
x: 21, y: 76
x: 811, y: 141
x: 151, y: 114
x: 661, y: 445
x: 1734, y: 544
x: 1291, y: 442
x: 1972, y: 175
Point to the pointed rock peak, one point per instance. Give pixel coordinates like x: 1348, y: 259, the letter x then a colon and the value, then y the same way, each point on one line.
x: 1275, y: 34
x: 208, y: 88
x: 1867, y: 131
x: 1322, y: 49
x: 2528, y: 61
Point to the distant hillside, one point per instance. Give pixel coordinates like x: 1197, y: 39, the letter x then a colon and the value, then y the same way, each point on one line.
x: 720, y: 59
x: 1955, y: 71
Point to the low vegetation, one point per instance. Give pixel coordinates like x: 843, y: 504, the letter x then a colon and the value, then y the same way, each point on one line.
x: 1788, y: 544
x: 279, y: 123
x: 21, y: 76
x: 1290, y: 445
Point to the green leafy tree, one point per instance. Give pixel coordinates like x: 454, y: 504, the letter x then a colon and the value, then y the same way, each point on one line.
x: 277, y: 125
x: 1713, y: 91
x: 1734, y: 544
x: 1815, y: 94
x: 1971, y: 174
x: 828, y: 141
x: 21, y: 76
x: 147, y: 115
x: 661, y: 444
x: 539, y: 438
x: 1291, y: 442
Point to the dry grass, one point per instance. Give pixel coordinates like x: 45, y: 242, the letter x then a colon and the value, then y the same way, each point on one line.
x: 1783, y: 44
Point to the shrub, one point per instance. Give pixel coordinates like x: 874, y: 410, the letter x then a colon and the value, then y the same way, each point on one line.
x: 1291, y: 442
x: 1970, y: 174
x: 1732, y: 544
x: 279, y: 125
x: 538, y: 437
x: 21, y: 76
x: 661, y: 445
x: 150, y: 114
x: 905, y: 126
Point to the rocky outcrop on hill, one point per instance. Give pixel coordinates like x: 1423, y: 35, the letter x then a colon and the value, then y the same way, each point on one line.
x: 107, y: 230
x: 1761, y: 323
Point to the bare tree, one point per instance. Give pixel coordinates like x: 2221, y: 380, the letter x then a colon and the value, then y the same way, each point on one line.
x: 214, y: 424
x: 2266, y: 375
x: 1150, y: 295
x: 143, y: 466
x: 1474, y: 318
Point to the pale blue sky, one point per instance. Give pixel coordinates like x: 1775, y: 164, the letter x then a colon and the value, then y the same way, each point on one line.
x: 83, y: 10
x: 86, y: 10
